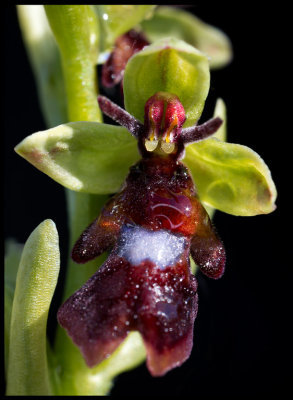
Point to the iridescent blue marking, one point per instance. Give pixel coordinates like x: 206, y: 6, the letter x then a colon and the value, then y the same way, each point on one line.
x: 137, y: 244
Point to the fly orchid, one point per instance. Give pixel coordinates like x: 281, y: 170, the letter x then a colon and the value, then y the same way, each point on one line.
x: 152, y: 226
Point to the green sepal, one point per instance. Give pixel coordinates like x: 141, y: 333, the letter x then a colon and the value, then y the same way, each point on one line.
x: 169, y: 65
x: 231, y: 178
x: 35, y: 285
x: 88, y: 157
x: 180, y: 24
x: 115, y: 20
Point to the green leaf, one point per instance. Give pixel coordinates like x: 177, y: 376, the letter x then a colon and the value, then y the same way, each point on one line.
x: 8, y: 301
x: 115, y: 20
x: 76, y: 30
x: 82, y: 156
x: 168, y: 65
x: 180, y: 24
x: 45, y: 61
x: 231, y: 177
x: 35, y: 284
x: 13, y: 252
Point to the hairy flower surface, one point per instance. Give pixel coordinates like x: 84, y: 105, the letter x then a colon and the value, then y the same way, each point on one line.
x: 125, y: 47
x: 152, y: 226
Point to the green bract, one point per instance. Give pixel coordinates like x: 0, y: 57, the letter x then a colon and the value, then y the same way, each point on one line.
x: 168, y: 65
x: 35, y: 284
x: 83, y: 156
x: 167, y: 22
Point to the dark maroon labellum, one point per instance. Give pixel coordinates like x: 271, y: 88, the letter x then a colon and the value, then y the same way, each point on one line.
x: 151, y: 227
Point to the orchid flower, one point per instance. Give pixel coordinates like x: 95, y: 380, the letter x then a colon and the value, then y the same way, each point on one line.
x: 166, y: 79
x: 152, y: 226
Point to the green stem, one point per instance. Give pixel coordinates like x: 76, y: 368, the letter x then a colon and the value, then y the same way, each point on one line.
x: 76, y: 32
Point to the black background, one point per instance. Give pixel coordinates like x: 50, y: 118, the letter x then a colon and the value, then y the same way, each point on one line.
x: 242, y: 335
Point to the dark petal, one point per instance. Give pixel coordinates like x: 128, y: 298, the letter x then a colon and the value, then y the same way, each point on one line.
x: 200, y: 132
x: 121, y: 116
x: 209, y: 254
x: 111, y: 75
x: 100, y: 235
x: 206, y: 248
x: 92, y: 243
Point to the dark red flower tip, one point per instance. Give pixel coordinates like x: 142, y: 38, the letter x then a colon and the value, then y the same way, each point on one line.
x: 212, y: 264
x: 125, y: 47
x: 164, y: 117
